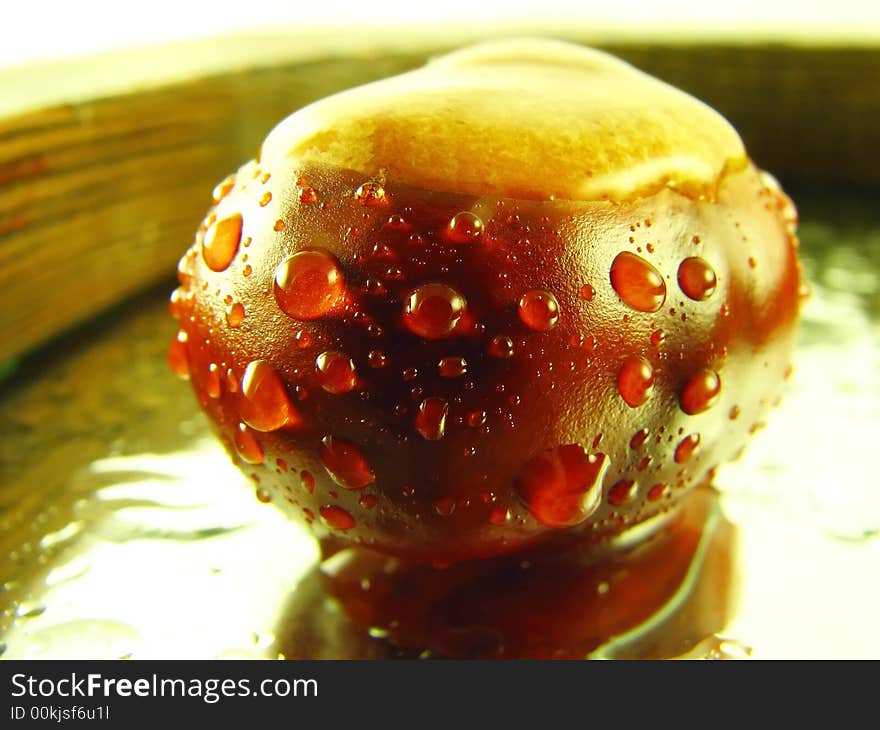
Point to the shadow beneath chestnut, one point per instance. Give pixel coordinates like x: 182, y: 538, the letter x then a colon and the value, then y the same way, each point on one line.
x: 664, y: 596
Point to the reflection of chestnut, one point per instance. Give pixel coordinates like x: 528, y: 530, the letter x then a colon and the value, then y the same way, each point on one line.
x: 525, y: 292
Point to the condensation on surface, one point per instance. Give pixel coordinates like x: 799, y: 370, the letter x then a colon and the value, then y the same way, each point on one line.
x: 125, y: 531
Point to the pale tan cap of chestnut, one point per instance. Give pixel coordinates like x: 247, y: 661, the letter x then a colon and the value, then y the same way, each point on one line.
x: 531, y: 119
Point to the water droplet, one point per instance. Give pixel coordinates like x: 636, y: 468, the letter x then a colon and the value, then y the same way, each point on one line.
x: 499, y: 515
x: 220, y: 243
x: 247, y: 446
x: 279, y: 226
x: 308, y: 195
x: 697, y: 279
x: 637, y: 283
x: 377, y: 359
x: 444, y: 506
x: 371, y: 194
x: 430, y: 421
x: 178, y: 355
x: 476, y: 418
x: 635, y: 381
x: 465, y: 227
x: 336, y: 517
x: 538, y: 310
x: 686, y: 448
x: 308, y: 284
x: 223, y: 188
x: 587, y: 293
x: 657, y: 492
x: 452, y: 367
x: 500, y: 347
x: 235, y: 315
x: 368, y: 501
x: 657, y: 337
x: 307, y: 480
x: 562, y: 487
x: 622, y: 492
x: 433, y: 310
x: 262, y: 495
x: 265, y: 199
x: 264, y: 405
x: 734, y: 413
x: 212, y: 383
x: 700, y: 392
x: 345, y: 463
x: 336, y: 372
x: 639, y: 438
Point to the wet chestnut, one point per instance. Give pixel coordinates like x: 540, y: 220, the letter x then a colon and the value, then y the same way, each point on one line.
x: 522, y: 294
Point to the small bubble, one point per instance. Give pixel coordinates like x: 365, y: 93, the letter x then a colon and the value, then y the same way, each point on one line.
x: 377, y: 359
x: 587, y: 293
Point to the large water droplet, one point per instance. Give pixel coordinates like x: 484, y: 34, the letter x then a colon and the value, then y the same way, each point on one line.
x: 637, y: 283
x: 220, y: 243
x: 538, y: 310
x: 465, y: 227
x: 247, y: 446
x: 308, y: 284
x: 562, y: 487
x: 433, y: 310
x: 700, y: 392
x: 345, y: 463
x: 336, y: 372
x: 635, y: 381
x: 336, y: 517
x: 264, y: 405
x: 430, y: 421
x: 697, y: 278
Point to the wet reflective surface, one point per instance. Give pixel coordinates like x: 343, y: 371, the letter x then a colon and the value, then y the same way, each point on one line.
x: 125, y: 531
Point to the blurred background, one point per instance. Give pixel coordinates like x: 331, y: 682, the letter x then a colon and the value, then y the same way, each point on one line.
x: 123, y: 526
